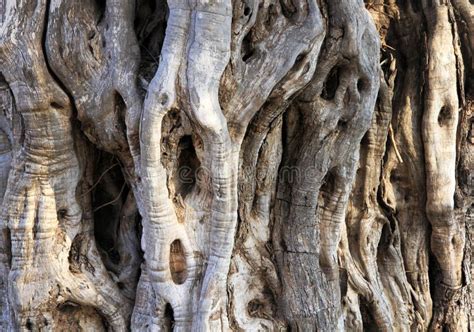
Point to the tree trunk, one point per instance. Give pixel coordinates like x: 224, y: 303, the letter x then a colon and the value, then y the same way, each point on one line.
x: 246, y: 165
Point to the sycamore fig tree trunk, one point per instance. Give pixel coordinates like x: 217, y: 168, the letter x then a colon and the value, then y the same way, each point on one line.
x: 245, y: 165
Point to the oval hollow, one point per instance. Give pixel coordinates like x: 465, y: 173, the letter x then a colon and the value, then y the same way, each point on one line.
x: 177, y: 262
x: 445, y: 116
x: 331, y: 84
x: 362, y: 85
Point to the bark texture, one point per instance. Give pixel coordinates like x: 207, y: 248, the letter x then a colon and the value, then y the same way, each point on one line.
x: 245, y: 165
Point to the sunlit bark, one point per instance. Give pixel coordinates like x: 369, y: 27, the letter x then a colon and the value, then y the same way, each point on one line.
x: 236, y: 165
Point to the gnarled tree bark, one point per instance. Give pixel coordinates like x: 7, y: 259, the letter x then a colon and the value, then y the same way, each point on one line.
x: 236, y: 165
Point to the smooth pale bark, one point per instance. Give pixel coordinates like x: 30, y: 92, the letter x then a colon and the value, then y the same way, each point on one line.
x: 236, y: 165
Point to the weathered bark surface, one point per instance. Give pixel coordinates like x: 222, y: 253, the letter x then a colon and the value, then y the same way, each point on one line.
x: 236, y: 165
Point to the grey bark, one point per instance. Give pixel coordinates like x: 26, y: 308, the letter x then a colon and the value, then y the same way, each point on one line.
x: 249, y: 165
